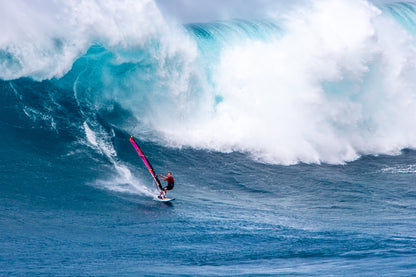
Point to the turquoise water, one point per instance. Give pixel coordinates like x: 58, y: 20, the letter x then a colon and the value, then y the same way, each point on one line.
x: 276, y: 173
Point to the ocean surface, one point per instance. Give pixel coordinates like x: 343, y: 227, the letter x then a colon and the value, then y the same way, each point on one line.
x: 291, y: 137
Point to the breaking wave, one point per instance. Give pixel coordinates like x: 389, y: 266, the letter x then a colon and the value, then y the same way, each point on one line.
x: 328, y: 81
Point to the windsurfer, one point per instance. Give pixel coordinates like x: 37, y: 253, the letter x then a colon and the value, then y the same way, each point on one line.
x: 171, y: 183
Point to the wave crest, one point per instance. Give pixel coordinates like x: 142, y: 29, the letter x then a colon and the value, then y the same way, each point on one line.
x: 324, y: 83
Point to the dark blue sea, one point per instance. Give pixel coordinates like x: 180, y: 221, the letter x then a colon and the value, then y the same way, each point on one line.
x: 291, y: 135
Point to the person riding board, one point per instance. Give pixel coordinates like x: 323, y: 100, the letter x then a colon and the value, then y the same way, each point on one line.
x: 171, y: 183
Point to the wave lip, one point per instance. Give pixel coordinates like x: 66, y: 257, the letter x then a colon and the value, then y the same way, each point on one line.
x: 44, y: 38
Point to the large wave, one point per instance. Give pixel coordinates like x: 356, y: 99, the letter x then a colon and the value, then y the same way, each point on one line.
x: 327, y: 81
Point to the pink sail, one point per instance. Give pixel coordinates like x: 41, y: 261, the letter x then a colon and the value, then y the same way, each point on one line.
x: 145, y: 161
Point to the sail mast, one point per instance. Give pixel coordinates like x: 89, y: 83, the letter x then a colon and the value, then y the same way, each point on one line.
x: 146, y: 162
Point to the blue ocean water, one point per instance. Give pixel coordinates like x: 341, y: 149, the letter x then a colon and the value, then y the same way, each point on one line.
x: 293, y: 147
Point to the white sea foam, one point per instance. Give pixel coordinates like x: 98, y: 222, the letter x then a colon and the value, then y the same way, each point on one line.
x: 42, y: 39
x: 122, y: 180
x: 406, y: 169
x: 339, y: 84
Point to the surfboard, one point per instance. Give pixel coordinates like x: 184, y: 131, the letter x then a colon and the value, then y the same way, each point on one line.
x: 164, y: 199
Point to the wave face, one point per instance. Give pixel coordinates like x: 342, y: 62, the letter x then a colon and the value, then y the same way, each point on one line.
x: 324, y: 82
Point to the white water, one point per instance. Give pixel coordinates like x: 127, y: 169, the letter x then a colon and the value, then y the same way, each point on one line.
x: 339, y: 83
x: 41, y: 39
x: 122, y: 180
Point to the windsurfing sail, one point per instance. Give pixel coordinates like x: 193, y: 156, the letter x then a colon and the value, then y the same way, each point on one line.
x: 146, y: 162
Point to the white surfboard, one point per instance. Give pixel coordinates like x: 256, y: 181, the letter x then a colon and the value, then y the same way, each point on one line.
x: 164, y: 199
